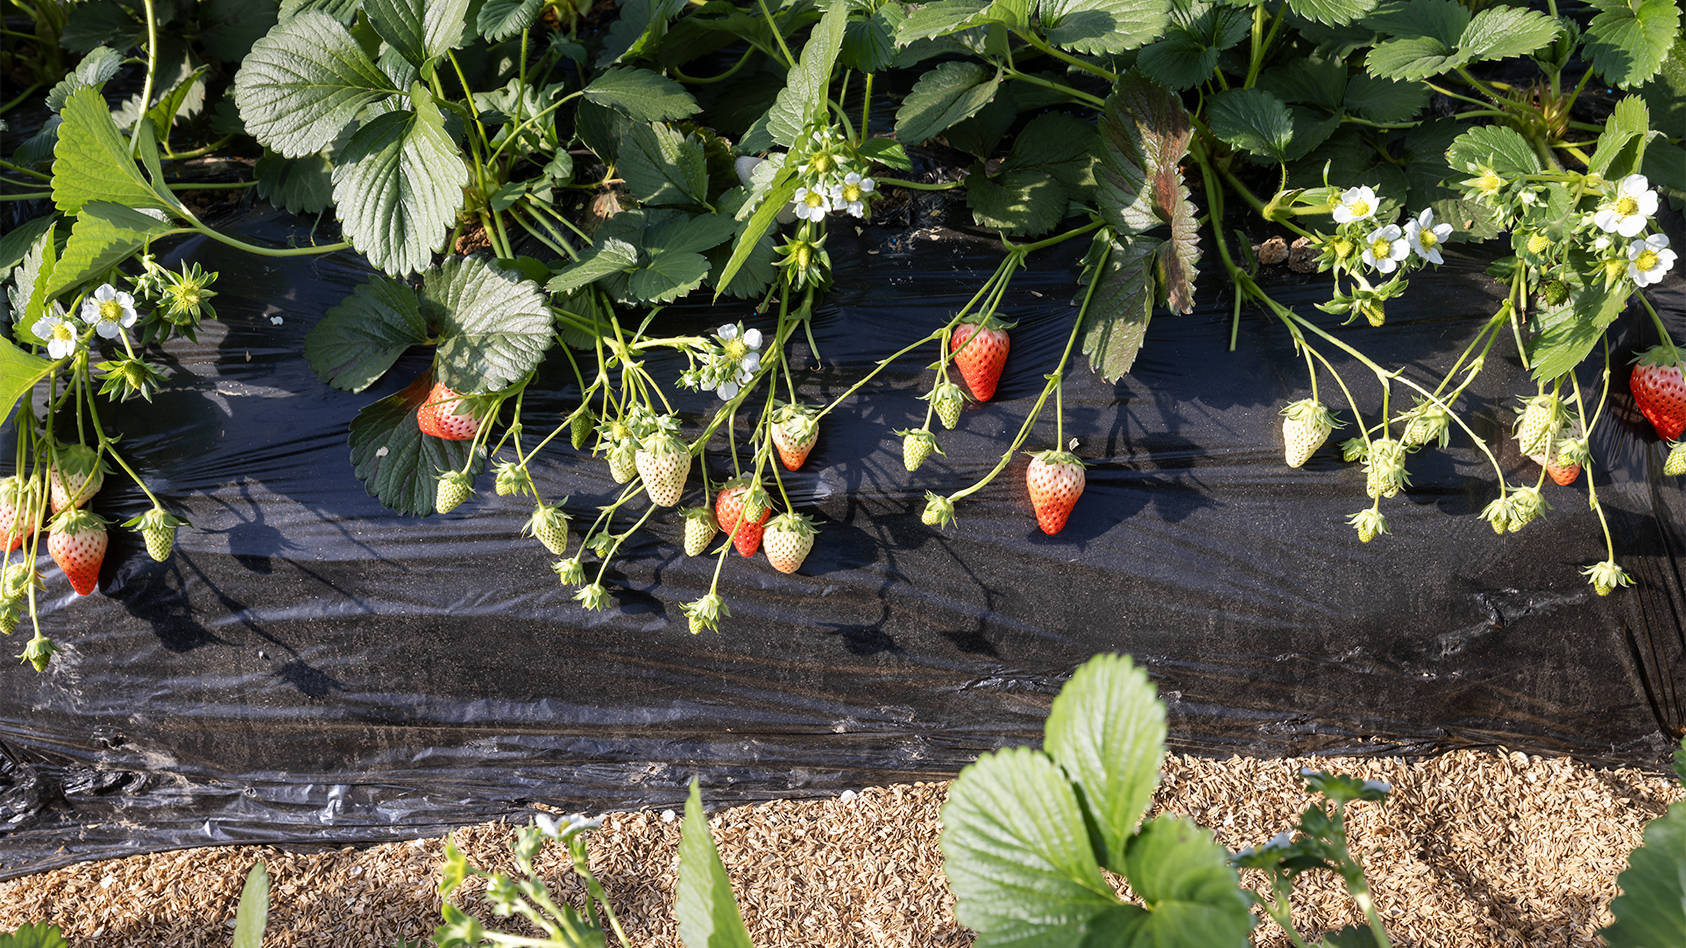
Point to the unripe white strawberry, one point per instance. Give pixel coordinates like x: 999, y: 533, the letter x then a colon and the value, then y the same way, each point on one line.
x: 1306, y: 425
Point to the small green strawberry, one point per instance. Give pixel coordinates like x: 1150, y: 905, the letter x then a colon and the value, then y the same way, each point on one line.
x: 453, y: 488
x: 580, y: 425
x: 947, y: 398
x: 1428, y: 422
x: 1607, y: 577
x: 706, y: 613
x: 1306, y: 425
x: 17, y: 579
x: 1384, y: 469
x: 11, y: 613
x: 158, y: 528
x: 1542, y: 415
x: 623, y: 460
x: 1526, y: 504
x: 939, y: 510
x: 1369, y: 524
x: 571, y: 572
x: 917, y: 445
x: 1499, y: 514
x: 1675, y: 465
x: 39, y: 652
x: 700, y: 528
x: 512, y: 479
x: 549, y: 523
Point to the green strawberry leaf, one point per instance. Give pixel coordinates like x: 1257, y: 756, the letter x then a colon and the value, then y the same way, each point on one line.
x: 99, y: 65
x: 398, y: 465
x: 1060, y: 145
x: 1252, y: 120
x: 1017, y: 855
x: 418, y: 30
x: 668, y: 276
x: 101, y: 23
x: 1665, y: 165
x: 304, y: 82
x: 34, y: 935
x: 1570, y: 332
x: 1652, y: 907
x: 1144, y: 135
x: 1332, y: 12
x: 1321, y: 82
x: 1018, y: 202
x: 1629, y: 41
x: 1103, y: 26
x: 1384, y: 100
x: 500, y: 19
x: 756, y: 274
x: 673, y: 232
x: 608, y: 257
x: 252, y: 916
x: 104, y: 235
x: 641, y: 94
x: 947, y: 94
x: 780, y: 194
x: 1115, y: 324
x: 1492, y: 146
x: 1621, y: 146
x: 1502, y: 32
x: 663, y: 167
x: 703, y: 901
x: 341, y: 10
x: 29, y: 282
x: 1422, y: 39
x: 15, y: 243
x: 1188, y: 52
x: 297, y: 185
x: 358, y: 340
x: 805, y: 89
x: 869, y: 45
x: 1665, y: 93
x: 19, y: 371
x: 91, y: 161
x: 1194, y: 895
x: 1106, y: 730
x: 398, y: 184
x: 1425, y: 163
x: 494, y: 326
x: 940, y: 19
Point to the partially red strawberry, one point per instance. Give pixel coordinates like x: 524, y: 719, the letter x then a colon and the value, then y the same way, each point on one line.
x: 20, y: 512
x: 1660, y: 391
x: 77, y: 542
x: 980, y: 352
x: 729, y: 511
x: 787, y: 540
x: 795, y: 429
x: 1563, y: 474
x: 77, y: 473
x: 439, y: 415
x: 1055, y: 480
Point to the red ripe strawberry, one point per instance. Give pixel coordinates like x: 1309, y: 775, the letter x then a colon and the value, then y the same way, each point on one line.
x: 17, y: 518
x: 1660, y: 391
x: 729, y: 510
x: 980, y: 352
x: 77, y: 542
x: 438, y: 415
x: 795, y: 429
x: 787, y: 540
x: 1055, y: 480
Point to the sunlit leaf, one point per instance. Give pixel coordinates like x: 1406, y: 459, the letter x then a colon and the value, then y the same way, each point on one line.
x: 641, y: 94
x: 947, y: 94
x: 398, y: 184
x: 1252, y: 120
x: 1106, y: 730
x: 1651, y: 910
x: 1103, y: 26
x: 707, y: 911
x: 493, y: 325
x: 1115, y: 324
x: 1628, y: 42
x: 104, y: 235
x: 662, y: 166
x: 92, y: 162
x: 304, y: 82
x: 805, y: 89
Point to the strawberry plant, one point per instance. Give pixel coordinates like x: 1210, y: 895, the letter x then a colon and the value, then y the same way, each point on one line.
x: 533, y: 188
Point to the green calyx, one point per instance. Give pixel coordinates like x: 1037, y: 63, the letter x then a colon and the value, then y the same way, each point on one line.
x: 1657, y: 356
x: 1056, y: 457
x: 74, y: 520
x: 78, y: 463
x: 939, y: 510
x: 800, y: 524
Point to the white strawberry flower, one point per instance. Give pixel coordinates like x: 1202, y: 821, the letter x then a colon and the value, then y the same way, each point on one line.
x: 1425, y: 236
x: 740, y: 351
x: 60, y: 334
x: 1385, y: 247
x: 1627, y: 212
x: 851, y: 194
x: 1356, y: 204
x: 1648, y: 260
x: 811, y: 205
x: 108, y: 310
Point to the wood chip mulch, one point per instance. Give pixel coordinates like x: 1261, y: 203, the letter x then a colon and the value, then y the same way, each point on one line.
x: 1472, y: 849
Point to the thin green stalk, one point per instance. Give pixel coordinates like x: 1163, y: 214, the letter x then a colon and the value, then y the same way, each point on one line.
x: 22, y: 95
x: 151, y: 70
x: 705, y: 80
x: 200, y: 152
x: 1042, y: 46
x: 778, y: 34
x: 1035, y: 80
x: 918, y: 186
x: 866, y: 110
x: 22, y: 170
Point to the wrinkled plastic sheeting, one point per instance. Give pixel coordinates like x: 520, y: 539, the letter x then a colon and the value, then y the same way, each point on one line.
x: 310, y: 668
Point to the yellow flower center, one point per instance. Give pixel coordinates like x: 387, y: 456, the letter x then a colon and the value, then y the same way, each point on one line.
x: 820, y: 164
x: 1627, y: 206
x: 1646, y: 261
x: 111, y: 311
x: 814, y: 199
x: 1379, y: 248
x: 1428, y: 241
x: 1613, y: 269
x: 1342, y: 247
x: 1360, y: 208
x: 1538, y: 243
x: 735, y: 349
x: 1490, y: 182
x: 63, y: 333
x: 852, y: 193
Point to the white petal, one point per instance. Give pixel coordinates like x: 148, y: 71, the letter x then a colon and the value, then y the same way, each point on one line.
x: 43, y: 328
x: 751, y: 364
x: 1633, y: 185
x: 867, y: 184
x: 727, y: 390
x: 107, y: 329
x: 1606, y: 219
x: 728, y: 331
x: 752, y: 338
x: 1631, y: 225
x: 105, y: 293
